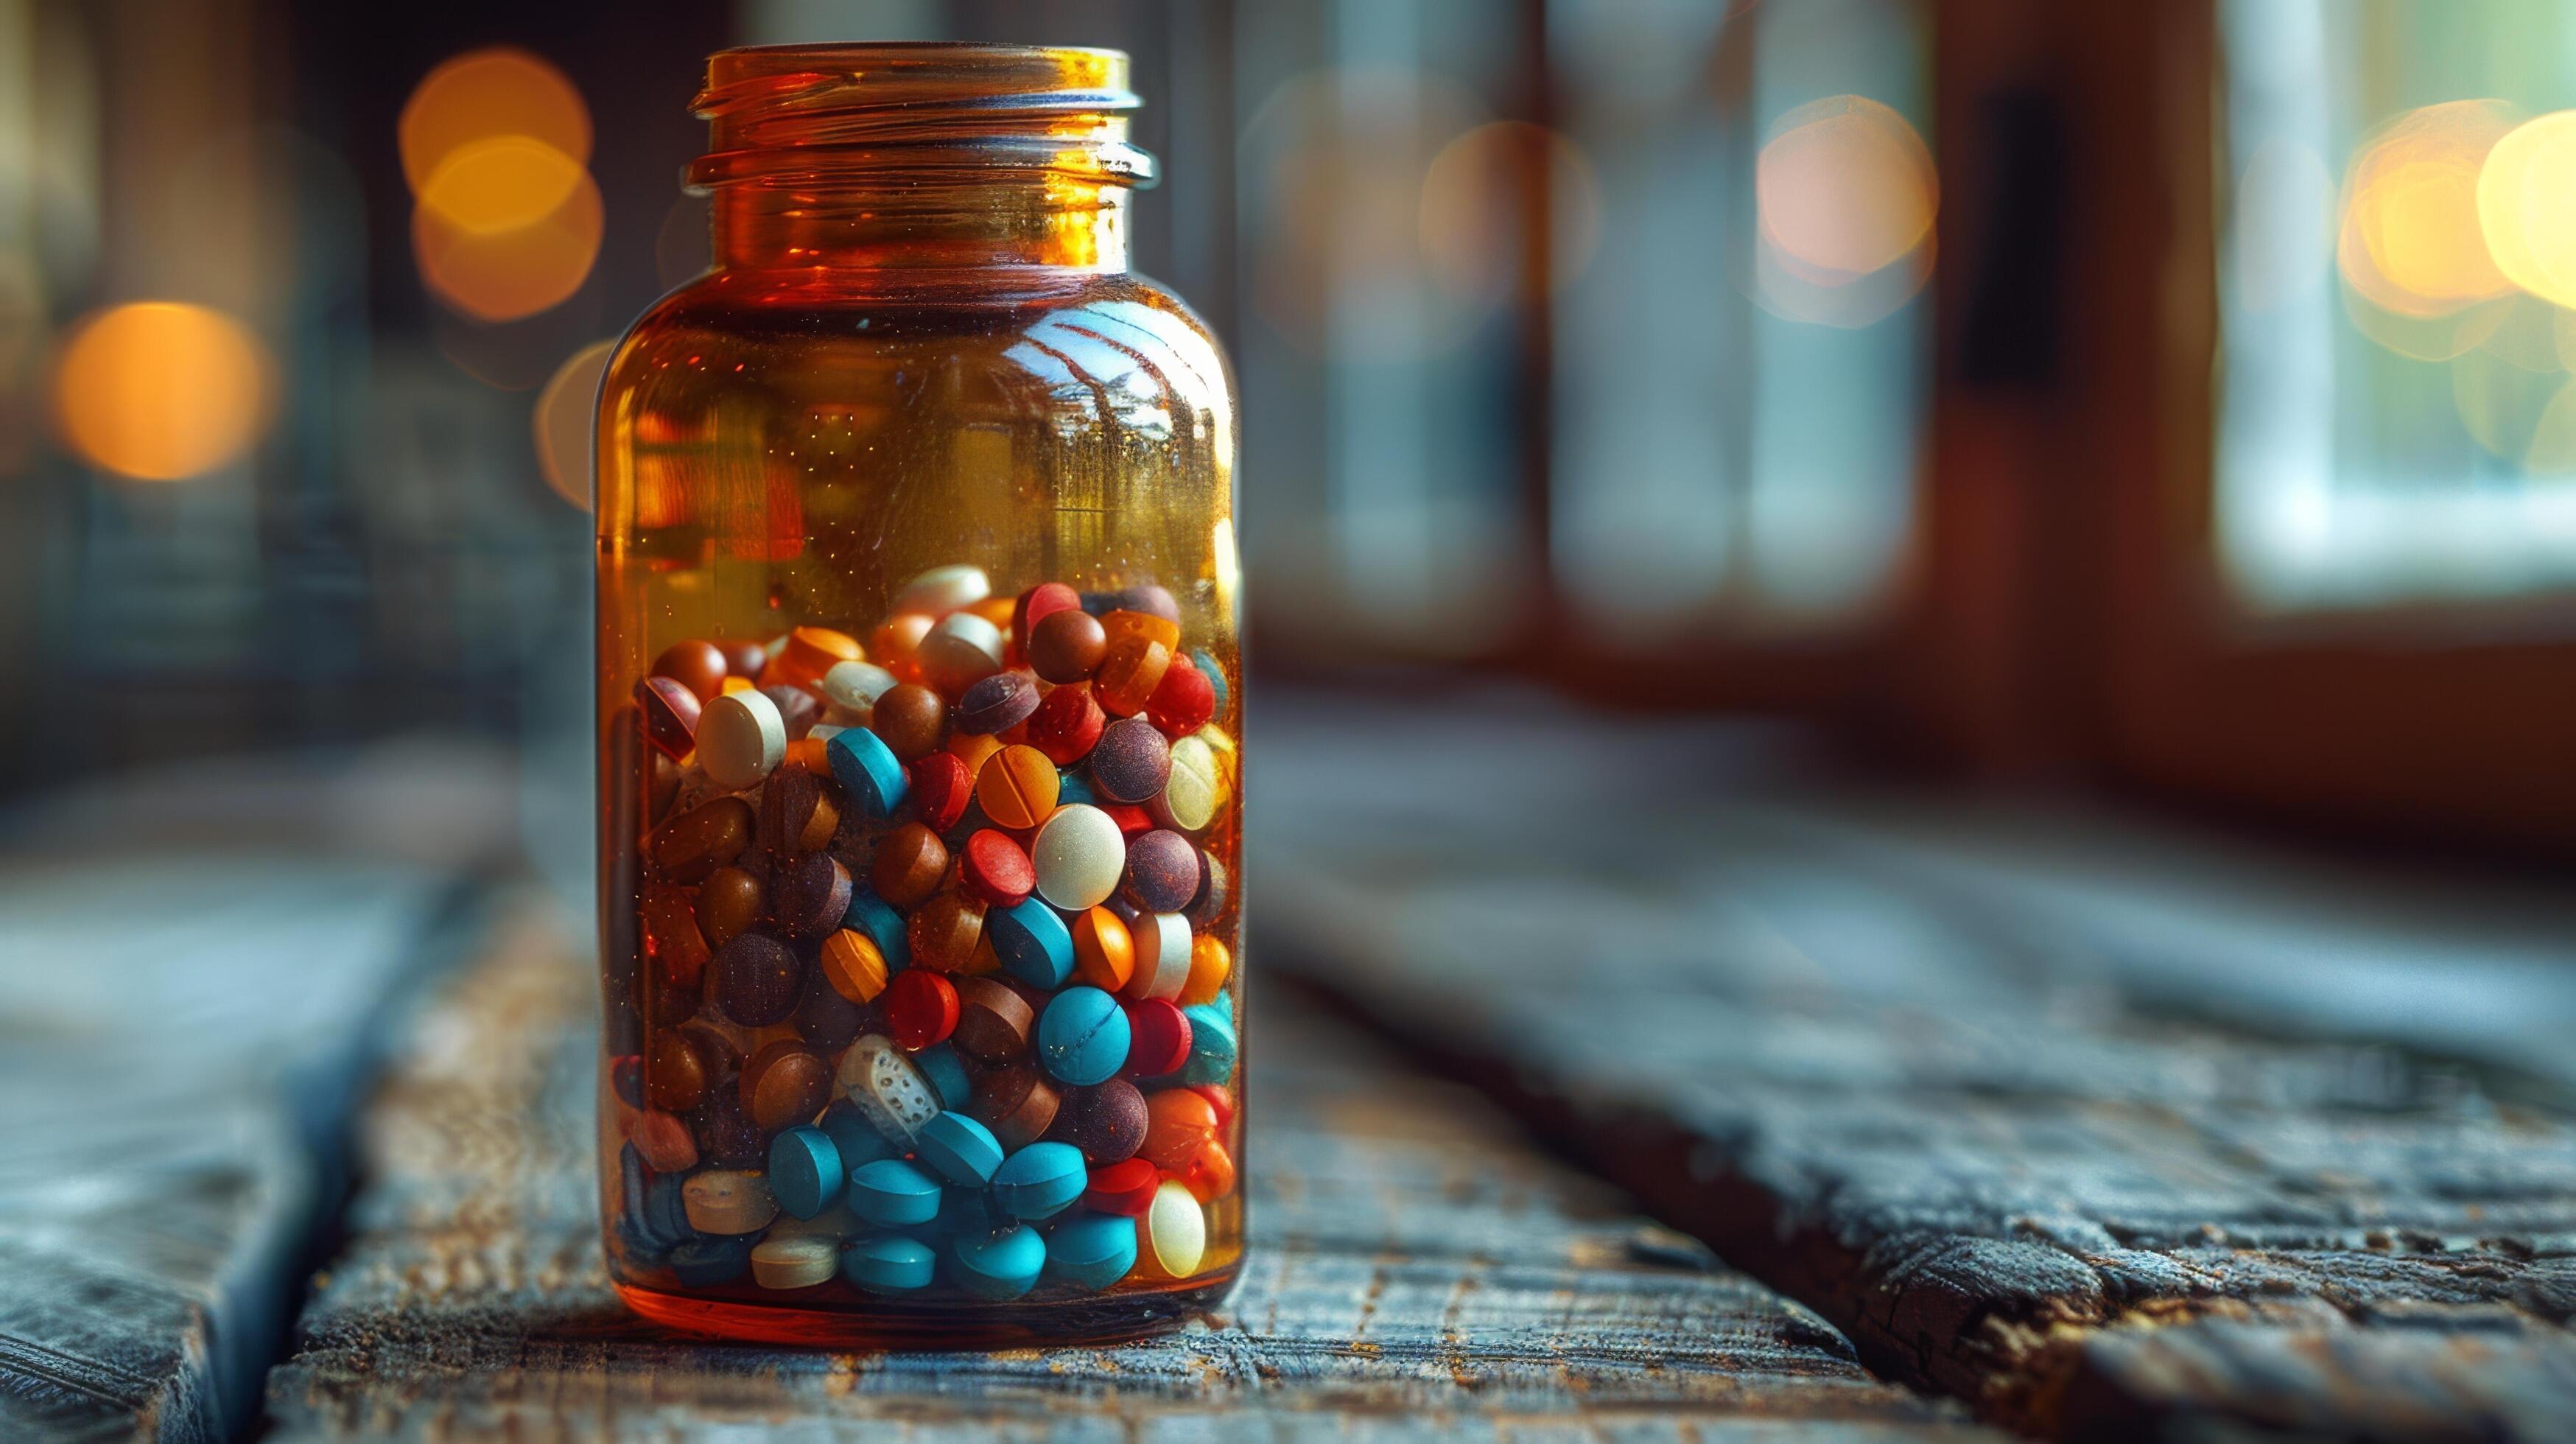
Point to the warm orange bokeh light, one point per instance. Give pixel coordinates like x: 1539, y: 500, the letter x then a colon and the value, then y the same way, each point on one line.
x: 1845, y: 185
x: 2527, y: 206
x: 565, y: 424
x: 506, y: 228
x: 2410, y: 241
x: 487, y: 93
x: 1472, y: 202
x: 161, y: 390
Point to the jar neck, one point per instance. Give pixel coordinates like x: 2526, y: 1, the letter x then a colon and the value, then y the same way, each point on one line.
x: 1017, y: 220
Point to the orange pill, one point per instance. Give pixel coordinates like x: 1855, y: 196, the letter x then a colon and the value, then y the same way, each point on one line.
x: 807, y: 753
x: 1209, y: 1174
x: 996, y: 610
x: 732, y: 685
x: 1178, y: 1123
x: 974, y: 748
x: 810, y: 652
x: 1121, y: 624
x: 897, y: 640
x: 1104, y: 953
x: 1129, y: 674
x: 1210, y: 965
x: 985, y: 959
x: 1017, y: 787
x: 944, y: 933
x: 853, y: 965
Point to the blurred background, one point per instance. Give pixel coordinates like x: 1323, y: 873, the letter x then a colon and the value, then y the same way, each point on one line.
x: 2172, y: 399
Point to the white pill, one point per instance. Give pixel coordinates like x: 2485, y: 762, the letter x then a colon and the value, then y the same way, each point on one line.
x: 728, y: 1201
x: 798, y: 1261
x: 1162, y: 955
x: 741, y: 739
x: 1080, y: 855
x: 852, y: 688
x: 942, y: 590
x: 1175, y: 1230
x: 886, y: 1088
x: 961, y: 650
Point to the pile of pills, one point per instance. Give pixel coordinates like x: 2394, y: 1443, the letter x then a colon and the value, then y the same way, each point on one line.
x: 936, y: 982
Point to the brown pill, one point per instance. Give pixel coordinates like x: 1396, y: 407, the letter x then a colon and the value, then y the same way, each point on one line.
x: 675, y: 1074
x: 678, y: 943
x: 944, y: 932
x: 1067, y: 646
x: 797, y: 813
x: 1130, y: 673
x: 797, y: 708
x: 813, y: 894
x: 784, y: 1084
x: 1132, y: 760
x: 908, y: 720
x: 743, y: 657
x: 730, y: 901
x: 727, y: 1136
x: 716, y: 1048
x: 824, y: 1019
x: 993, y: 1021
x: 667, y: 1002
x: 698, y: 666
x: 670, y: 715
x: 702, y: 839
x: 1017, y: 1102
x: 1106, y: 1122
x: 997, y: 704
x: 663, y: 1142
x: 755, y: 980
x: 909, y: 864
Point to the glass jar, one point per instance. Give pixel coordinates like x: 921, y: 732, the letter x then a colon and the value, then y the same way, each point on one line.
x: 919, y: 683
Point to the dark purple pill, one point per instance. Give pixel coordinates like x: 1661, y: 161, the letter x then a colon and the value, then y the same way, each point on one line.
x: 1152, y: 600
x: 826, y: 1020
x: 798, y: 708
x: 1132, y: 760
x: 813, y: 894
x: 757, y: 978
x: 670, y: 715
x: 1106, y: 1121
x: 1162, y: 872
x: 997, y: 704
x: 1208, y: 904
x: 727, y: 1136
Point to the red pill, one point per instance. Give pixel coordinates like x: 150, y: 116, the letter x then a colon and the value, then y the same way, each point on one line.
x: 1182, y: 702
x: 1158, y: 1039
x: 1219, y: 1102
x: 996, y: 870
x: 1034, y: 605
x: 671, y: 715
x: 921, y: 1008
x: 939, y: 787
x: 1133, y: 821
x: 1125, y: 1188
x: 1067, y: 724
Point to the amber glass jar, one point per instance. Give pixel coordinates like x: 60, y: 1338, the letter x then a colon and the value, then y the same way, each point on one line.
x: 919, y: 688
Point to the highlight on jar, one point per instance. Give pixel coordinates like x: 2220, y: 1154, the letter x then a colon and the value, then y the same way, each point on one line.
x: 938, y: 990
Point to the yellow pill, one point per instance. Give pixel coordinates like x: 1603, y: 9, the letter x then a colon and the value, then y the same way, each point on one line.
x: 1210, y: 965
x: 855, y: 967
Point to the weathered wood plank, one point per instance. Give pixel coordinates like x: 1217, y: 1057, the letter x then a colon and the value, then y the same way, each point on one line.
x: 1943, y: 1119
x: 1416, y: 1270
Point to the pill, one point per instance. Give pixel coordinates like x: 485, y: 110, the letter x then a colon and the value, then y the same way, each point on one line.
x: 983, y: 960
x: 1177, y: 1121
x: 891, y: 1193
x: 1067, y: 646
x: 663, y: 1142
x: 997, y: 703
x: 911, y: 861
x: 716, y: 1042
x: 1162, y: 872
x: 1079, y: 856
x: 1104, y: 951
x: 1210, y: 964
x: 1215, y: 675
x: 806, y: 1173
x: 993, y: 1021
x: 1147, y: 597
x: 1209, y: 1175
x: 884, y: 926
x: 797, y: 813
x: 1209, y: 905
x: 1129, y: 674
x: 851, y: 689
x: 695, y: 665
x: 945, y: 931
x: 813, y: 894
x: 1092, y: 1251
x: 1125, y: 1188
x: 675, y: 1075
x: 670, y: 712
x: 867, y: 770
x: 705, y: 1262
x: 1173, y: 1233
x: 808, y: 653
x: 959, y: 651
x: 1162, y: 955
x: 825, y: 1020
x: 1132, y: 761
x: 910, y: 719
x: 1037, y: 604
x: 1032, y: 943
x: 1017, y: 787
x: 1212, y: 1043
x: 889, y: 1263
x: 798, y: 709
x: 741, y: 739
x: 1017, y: 1102
x: 959, y: 1149
x: 654, y: 1206
x: 975, y: 748
x: 730, y: 902
x: 856, y: 1139
x: 1003, y: 1264
x: 921, y: 1008
x: 1158, y: 1038
x: 996, y: 871
x: 942, y: 785
x: 852, y: 964
x: 671, y: 927
x: 1107, y: 1121
x: 702, y: 839
x: 945, y: 1072
x: 785, y: 1084
x: 743, y: 657
x: 728, y: 1201
x: 1121, y: 623
x: 1066, y: 725
x: 755, y: 979
x: 1073, y: 787
x: 1220, y: 1103
x: 795, y: 1262
x: 1082, y: 1036
x: 1039, y: 1181
x: 942, y: 590
x: 886, y: 1088
x: 1182, y: 702
x: 896, y: 643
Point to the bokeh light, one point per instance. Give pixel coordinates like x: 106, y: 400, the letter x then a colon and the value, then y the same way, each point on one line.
x: 161, y: 390
x: 2283, y: 224
x: 2527, y: 206
x: 2411, y: 242
x: 1845, y: 193
x: 1473, y: 205
x: 486, y: 93
x: 565, y: 422
x: 507, y: 227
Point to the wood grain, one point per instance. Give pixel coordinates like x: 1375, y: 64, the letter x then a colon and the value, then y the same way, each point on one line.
x: 1416, y: 1271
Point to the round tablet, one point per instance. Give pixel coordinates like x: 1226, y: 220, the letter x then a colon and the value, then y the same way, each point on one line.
x: 1162, y: 955
x: 795, y: 1262
x: 796, y: 708
x: 1220, y: 1105
x: 807, y: 653
x: 741, y: 739
x: 1209, y: 905
x: 960, y: 651
x: 1067, y: 725
x: 1209, y: 1175
x: 909, y: 718
x: 921, y: 1007
x: 1106, y: 1122
x: 1213, y: 1044
x: 1092, y: 1251
x: 705, y: 1262
x: 1079, y: 855
x: 997, y: 871
x: 729, y: 902
x: 727, y: 1137
x: 945, y: 931
x: 797, y: 813
x: 696, y: 665
x: 1082, y: 1036
x: 910, y: 863
x: 1162, y: 872
x: 1104, y: 954
x: 1066, y: 646
x: 941, y: 590
x: 706, y: 837
x: 856, y: 1139
x: 670, y: 713
x: 1037, y: 604
x: 754, y: 979
x: 1040, y: 1181
x: 886, y: 1088
x: 997, y: 703
x: 942, y: 784
x: 889, y: 1263
x: 993, y: 1021
x: 1125, y: 1188
x: 1159, y: 1038
x: 1174, y: 1231
x: 1129, y: 674
x: 1033, y: 943
x: 959, y: 1149
x: 1001, y: 1265
x: 1182, y: 702
x: 867, y: 770
x: 891, y: 1193
x: 854, y: 965
x: 663, y: 1142
x: 785, y: 1084
x: 1177, y: 1121
x: 812, y: 896
x: 1017, y: 787
x: 1188, y: 801
x: 728, y: 1201
x: 1210, y: 963
x: 1132, y: 761
x: 1017, y: 1102
x: 851, y: 690
x: 946, y: 1074
x: 884, y: 926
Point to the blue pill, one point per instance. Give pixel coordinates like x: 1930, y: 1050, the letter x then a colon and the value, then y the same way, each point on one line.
x: 712, y: 1259
x: 1092, y: 1250
x: 884, y: 926
x: 805, y: 1171
x: 1082, y: 1036
x: 856, y: 1138
x: 946, y: 1073
x: 969, y: 1213
x: 888, y: 1263
x: 1040, y: 1181
x: 866, y: 768
x: 1002, y: 1265
x: 1033, y: 943
x: 891, y: 1193
x: 1072, y: 787
x: 1216, y: 679
x: 959, y: 1148
x: 1212, y: 1042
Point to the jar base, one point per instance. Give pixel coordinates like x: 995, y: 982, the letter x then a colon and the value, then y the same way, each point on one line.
x: 1103, y: 1319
